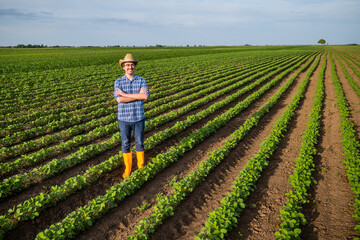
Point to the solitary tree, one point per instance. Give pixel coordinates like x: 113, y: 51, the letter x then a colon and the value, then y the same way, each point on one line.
x: 322, y: 41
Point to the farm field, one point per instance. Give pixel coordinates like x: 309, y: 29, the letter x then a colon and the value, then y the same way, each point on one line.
x: 240, y: 143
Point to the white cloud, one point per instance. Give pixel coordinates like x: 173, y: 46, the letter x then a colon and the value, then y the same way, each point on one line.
x: 178, y: 22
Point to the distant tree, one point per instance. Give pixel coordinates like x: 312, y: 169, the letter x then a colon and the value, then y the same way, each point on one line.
x: 322, y: 41
x: 31, y: 46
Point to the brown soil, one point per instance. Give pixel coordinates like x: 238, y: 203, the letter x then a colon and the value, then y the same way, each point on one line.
x: 329, y: 212
x: 266, y: 202
x: 193, y: 212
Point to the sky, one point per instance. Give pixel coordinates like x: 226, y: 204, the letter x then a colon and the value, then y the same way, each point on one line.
x: 178, y: 22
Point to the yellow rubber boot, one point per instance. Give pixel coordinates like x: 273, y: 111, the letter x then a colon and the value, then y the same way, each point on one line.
x: 140, y: 159
x: 128, y: 163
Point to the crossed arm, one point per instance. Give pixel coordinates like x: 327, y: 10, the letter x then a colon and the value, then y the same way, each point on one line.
x: 127, y: 97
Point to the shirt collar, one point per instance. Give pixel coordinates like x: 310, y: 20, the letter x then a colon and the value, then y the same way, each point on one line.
x: 134, y: 78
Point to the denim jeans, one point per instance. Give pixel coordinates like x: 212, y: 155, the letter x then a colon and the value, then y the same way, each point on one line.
x: 138, y: 131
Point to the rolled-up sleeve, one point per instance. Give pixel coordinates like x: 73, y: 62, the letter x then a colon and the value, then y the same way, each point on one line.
x: 145, y: 86
x: 116, y: 86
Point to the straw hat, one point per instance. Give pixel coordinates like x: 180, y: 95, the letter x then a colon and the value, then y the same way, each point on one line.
x: 128, y: 58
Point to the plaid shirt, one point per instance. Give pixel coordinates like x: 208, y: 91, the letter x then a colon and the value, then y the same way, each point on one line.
x: 130, y: 111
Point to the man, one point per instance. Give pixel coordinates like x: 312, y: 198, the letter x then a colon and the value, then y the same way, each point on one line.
x: 130, y: 91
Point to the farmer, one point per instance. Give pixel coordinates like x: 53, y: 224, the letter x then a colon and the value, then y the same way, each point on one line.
x: 130, y: 91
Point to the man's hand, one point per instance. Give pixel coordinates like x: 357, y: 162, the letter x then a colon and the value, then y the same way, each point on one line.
x: 143, y: 90
x: 119, y: 92
x: 122, y: 93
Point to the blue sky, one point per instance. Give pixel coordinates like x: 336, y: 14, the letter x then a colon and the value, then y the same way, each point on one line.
x: 178, y: 22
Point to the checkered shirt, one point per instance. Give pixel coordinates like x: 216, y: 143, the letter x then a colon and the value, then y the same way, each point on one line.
x: 130, y: 111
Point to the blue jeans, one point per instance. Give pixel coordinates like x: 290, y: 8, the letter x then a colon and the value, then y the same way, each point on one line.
x: 138, y: 130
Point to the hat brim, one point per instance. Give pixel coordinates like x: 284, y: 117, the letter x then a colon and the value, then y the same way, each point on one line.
x: 125, y: 61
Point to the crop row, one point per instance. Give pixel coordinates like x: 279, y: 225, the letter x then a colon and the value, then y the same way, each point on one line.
x: 350, y: 143
x: 224, y: 218
x: 219, y: 80
x: 45, y: 153
x: 353, y: 84
x: 167, y: 204
x: 18, y: 182
x: 58, y: 121
x: 354, y: 60
x: 43, y: 120
x: 33, y: 114
x: 159, y: 87
x: 84, y: 216
x: 197, y: 80
x: 58, y: 59
x: 57, y: 97
x: 88, y: 102
x: 42, y: 155
x: 69, y: 81
x: 220, y: 83
x: 162, y: 77
x: 68, y: 91
x: 60, y: 116
x: 54, y: 126
x: 356, y: 71
x: 301, y: 180
x: 31, y: 208
x: 40, y: 143
x: 65, y: 82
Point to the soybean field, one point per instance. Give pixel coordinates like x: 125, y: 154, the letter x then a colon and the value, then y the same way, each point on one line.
x: 255, y: 142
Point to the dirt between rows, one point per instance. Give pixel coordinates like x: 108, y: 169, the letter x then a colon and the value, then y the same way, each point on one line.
x: 80, y: 198
x: 266, y: 202
x: 329, y: 211
x: 120, y: 222
x: 115, y: 176
x: 109, y: 105
x: 82, y: 167
x: 53, y: 215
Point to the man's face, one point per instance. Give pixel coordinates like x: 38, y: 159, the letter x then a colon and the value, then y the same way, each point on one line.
x: 129, y: 68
